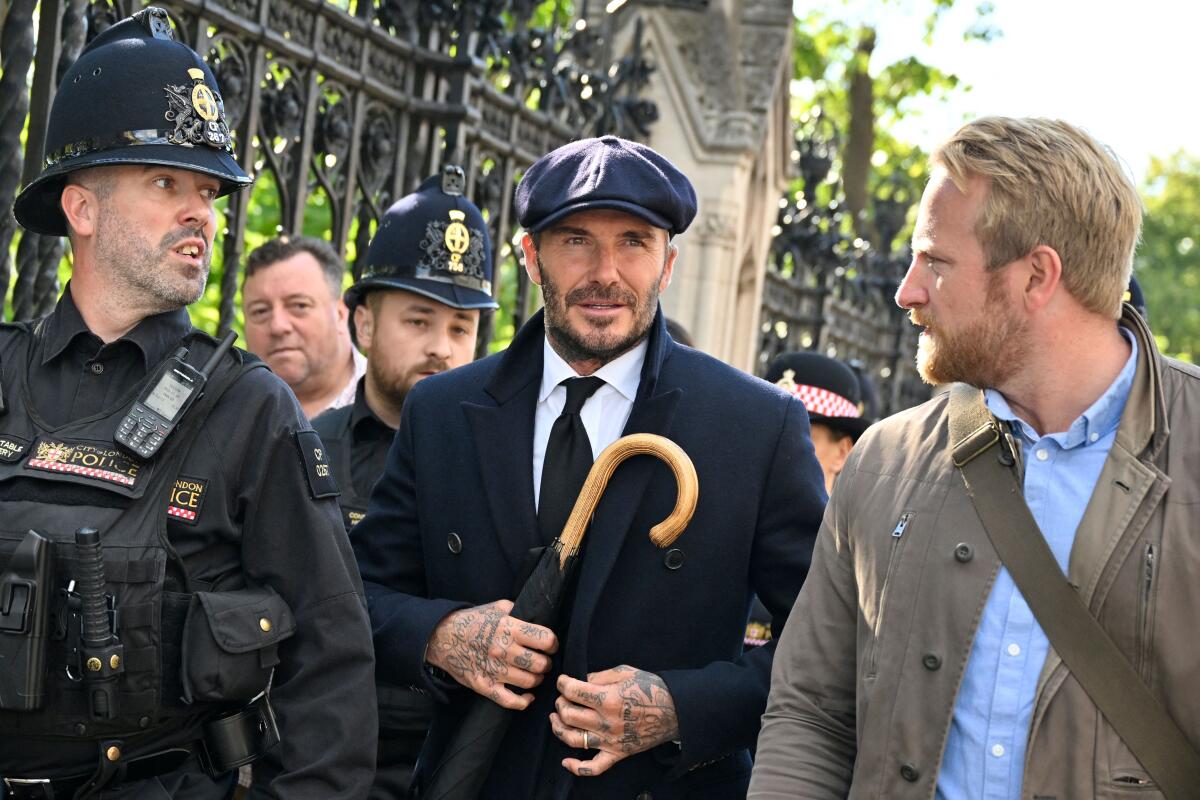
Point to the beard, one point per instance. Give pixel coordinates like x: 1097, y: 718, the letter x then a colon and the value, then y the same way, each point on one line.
x: 599, y: 343
x: 396, y: 386
x: 143, y: 270
x: 984, y: 353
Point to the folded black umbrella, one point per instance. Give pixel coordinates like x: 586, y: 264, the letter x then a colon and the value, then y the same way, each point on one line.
x: 466, y: 762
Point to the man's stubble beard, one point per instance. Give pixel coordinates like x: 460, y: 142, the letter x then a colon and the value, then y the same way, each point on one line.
x: 574, y: 348
x: 397, y: 387
x: 142, y: 272
x: 984, y: 354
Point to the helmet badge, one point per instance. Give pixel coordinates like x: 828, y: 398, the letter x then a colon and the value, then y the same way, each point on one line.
x: 203, y: 99
x: 457, y: 239
x: 197, y: 114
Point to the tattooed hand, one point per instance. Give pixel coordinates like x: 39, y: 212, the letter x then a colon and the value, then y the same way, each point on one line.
x: 622, y: 711
x: 483, y: 648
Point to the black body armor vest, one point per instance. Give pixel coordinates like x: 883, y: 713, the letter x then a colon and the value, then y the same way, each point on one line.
x: 54, y: 480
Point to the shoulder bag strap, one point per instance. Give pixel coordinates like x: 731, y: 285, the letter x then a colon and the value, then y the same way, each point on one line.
x: 1137, y: 715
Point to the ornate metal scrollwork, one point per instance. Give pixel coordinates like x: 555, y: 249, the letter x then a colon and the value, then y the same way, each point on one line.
x: 228, y: 60
x: 828, y: 290
x: 315, y: 92
x: 334, y: 137
x: 377, y: 154
x: 281, y: 124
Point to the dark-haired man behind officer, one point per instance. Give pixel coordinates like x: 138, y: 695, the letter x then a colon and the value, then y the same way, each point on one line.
x: 222, y: 551
x: 415, y: 313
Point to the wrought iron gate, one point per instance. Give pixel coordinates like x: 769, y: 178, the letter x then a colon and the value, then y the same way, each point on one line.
x: 830, y: 292
x: 347, y: 106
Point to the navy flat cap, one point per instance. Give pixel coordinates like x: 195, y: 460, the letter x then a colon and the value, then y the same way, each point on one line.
x: 608, y: 172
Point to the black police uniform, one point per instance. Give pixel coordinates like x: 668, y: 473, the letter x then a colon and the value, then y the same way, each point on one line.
x: 222, y: 557
x: 356, y: 446
x: 413, y: 250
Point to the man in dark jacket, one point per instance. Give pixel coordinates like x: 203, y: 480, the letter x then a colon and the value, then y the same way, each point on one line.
x: 414, y: 313
x: 650, y: 691
x: 216, y: 527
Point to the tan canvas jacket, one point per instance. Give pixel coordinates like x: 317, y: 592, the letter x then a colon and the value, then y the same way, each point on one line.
x: 869, y: 665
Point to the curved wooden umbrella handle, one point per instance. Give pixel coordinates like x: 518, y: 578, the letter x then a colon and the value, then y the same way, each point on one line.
x: 662, y: 534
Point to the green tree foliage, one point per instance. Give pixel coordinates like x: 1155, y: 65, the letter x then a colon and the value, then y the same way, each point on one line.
x: 860, y: 101
x: 1168, y: 261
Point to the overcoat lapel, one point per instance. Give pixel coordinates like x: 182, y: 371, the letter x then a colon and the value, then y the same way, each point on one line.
x: 653, y: 411
x: 503, y: 436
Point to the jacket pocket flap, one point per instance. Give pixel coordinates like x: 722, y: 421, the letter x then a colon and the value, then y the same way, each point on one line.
x: 248, y: 619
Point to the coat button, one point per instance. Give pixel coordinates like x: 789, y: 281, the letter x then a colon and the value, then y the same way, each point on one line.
x: 932, y: 661
x: 964, y: 552
x: 454, y: 542
x: 910, y: 773
x: 674, y: 558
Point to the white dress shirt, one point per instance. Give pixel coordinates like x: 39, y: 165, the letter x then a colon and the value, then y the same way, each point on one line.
x: 346, y: 395
x: 604, y: 414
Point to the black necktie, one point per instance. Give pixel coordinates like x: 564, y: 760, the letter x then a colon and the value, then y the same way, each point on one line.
x: 568, y: 459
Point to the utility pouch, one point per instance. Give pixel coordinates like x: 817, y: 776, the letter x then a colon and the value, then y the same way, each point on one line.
x: 231, y: 642
x: 24, y: 623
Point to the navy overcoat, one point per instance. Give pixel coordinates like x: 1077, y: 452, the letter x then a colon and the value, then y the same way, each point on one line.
x: 452, y: 520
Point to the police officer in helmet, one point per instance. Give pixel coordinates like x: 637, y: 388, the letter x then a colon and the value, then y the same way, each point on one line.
x: 171, y: 542
x: 414, y: 313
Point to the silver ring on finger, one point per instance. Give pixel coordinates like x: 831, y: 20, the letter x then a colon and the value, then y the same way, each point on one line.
x: 586, y: 746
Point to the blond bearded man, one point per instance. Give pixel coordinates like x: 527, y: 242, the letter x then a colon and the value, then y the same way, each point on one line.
x: 912, y: 665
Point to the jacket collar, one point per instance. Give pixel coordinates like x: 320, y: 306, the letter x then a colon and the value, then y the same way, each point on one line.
x: 1144, y: 427
x: 504, y: 441
x: 522, y: 361
x: 153, y: 337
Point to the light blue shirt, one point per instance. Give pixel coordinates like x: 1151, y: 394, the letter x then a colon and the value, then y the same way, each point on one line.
x: 985, y: 750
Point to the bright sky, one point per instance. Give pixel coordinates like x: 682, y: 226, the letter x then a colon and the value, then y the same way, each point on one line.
x: 1126, y: 71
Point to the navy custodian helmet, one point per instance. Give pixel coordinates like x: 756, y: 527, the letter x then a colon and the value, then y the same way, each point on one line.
x: 433, y: 242
x: 134, y: 96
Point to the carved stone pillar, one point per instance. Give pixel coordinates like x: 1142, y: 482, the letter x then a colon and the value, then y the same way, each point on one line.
x: 721, y: 87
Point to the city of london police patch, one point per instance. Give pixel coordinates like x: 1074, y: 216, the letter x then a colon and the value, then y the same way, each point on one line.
x: 452, y: 249
x: 85, y: 460
x: 198, y: 114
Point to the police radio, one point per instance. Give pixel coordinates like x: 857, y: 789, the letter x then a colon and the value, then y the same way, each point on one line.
x: 158, y: 410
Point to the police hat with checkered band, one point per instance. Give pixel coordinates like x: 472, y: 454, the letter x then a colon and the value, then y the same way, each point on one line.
x: 134, y: 96
x: 433, y: 242
x: 828, y: 388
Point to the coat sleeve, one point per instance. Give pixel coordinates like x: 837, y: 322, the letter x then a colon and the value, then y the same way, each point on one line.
x: 323, y: 691
x: 387, y: 544
x: 719, y: 705
x: 808, y: 743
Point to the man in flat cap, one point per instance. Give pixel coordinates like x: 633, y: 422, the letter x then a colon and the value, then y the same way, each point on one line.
x: 171, y: 544
x: 647, y: 693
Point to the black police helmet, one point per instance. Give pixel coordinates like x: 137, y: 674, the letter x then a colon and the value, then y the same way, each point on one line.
x: 433, y: 242
x: 134, y: 96
x: 828, y: 388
